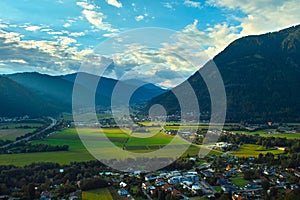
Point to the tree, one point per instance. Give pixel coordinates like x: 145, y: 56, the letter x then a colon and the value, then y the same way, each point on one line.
x: 30, y: 191
x: 3, y: 189
x: 265, y: 185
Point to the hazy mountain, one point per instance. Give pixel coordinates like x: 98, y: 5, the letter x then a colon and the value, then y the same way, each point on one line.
x: 261, y: 76
x: 47, y: 95
x: 54, y: 88
x: 16, y: 100
x: 144, y: 91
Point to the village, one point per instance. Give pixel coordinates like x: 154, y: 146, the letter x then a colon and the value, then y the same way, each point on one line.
x: 239, y: 179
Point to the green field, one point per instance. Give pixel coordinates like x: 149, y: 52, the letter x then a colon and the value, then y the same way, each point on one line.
x: 265, y: 133
x: 12, y: 134
x: 78, y: 152
x: 10, y: 131
x: 12, y: 125
x: 99, y: 194
x: 239, y: 181
x: 252, y: 150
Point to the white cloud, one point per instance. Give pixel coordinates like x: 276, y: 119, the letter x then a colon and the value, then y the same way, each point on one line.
x: 95, y: 18
x: 167, y: 5
x: 85, y: 5
x: 46, y: 30
x: 263, y: 15
x: 110, y: 34
x: 53, y: 57
x: 77, y: 34
x: 139, y: 18
x: 178, y: 58
x: 17, y: 61
x: 114, y: 3
x: 3, y: 25
x: 55, y: 33
x: 33, y: 28
x: 66, y: 25
x: 193, y: 4
x: 65, y: 41
x: 69, y: 22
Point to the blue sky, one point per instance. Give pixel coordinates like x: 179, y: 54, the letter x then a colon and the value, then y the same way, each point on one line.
x: 54, y: 36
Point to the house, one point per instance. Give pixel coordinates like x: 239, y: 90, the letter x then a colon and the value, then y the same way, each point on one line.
x: 160, y: 182
x: 193, y: 159
x: 228, y: 167
x: 74, y: 195
x: 175, y: 192
x: 146, y: 185
x: 73, y: 198
x: 167, y: 187
x: 297, y: 174
x: 137, y: 173
x: 150, y: 177
x: 207, y: 173
x: 45, y: 195
x: 196, y: 187
x: 123, y: 192
x: 192, y: 177
x: 122, y: 184
x: 174, y: 180
x: 237, y: 197
x: 153, y: 191
x: 228, y: 188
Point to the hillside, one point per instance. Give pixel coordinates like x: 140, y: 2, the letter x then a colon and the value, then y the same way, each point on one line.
x: 46, y: 95
x: 53, y: 89
x: 106, y: 86
x: 16, y: 100
x: 261, y: 75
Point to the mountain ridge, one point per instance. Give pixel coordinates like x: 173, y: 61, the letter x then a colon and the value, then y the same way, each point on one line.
x: 53, y: 94
x: 261, y: 74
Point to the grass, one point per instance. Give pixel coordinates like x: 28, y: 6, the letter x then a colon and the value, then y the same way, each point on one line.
x: 77, y: 151
x: 218, y: 188
x: 12, y: 134
x: 12, y: 130
x: 252, y: 150
x: 99, y: 194
x: 14, y: 125
x: 239, y: 181
x: 265, y: 133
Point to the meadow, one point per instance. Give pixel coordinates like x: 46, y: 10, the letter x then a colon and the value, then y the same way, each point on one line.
x: 10, y: 131
x: 77, y: 151
x: 239, y: 181
x: 266, y: 133
x: 252, y: 150
x: 101, y: 194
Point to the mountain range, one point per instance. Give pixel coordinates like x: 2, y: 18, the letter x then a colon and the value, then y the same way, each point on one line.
x: 261, y: 75
x: 37, y: 94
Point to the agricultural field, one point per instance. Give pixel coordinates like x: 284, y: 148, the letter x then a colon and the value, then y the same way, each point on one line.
x: 10, y: 131
x: 99, y: 194
x: 77, y: 151
x: 267, y: 133
x: 252, y: 150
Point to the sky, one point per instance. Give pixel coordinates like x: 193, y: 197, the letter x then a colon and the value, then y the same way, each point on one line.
x: 57, y: 36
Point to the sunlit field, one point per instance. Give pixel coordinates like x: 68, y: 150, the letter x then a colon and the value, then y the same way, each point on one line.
x: 77, y: 151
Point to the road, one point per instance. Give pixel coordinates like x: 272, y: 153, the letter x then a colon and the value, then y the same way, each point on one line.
x: 53, y: 123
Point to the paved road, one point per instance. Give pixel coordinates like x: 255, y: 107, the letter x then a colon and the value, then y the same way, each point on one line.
x: 53, y: 123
